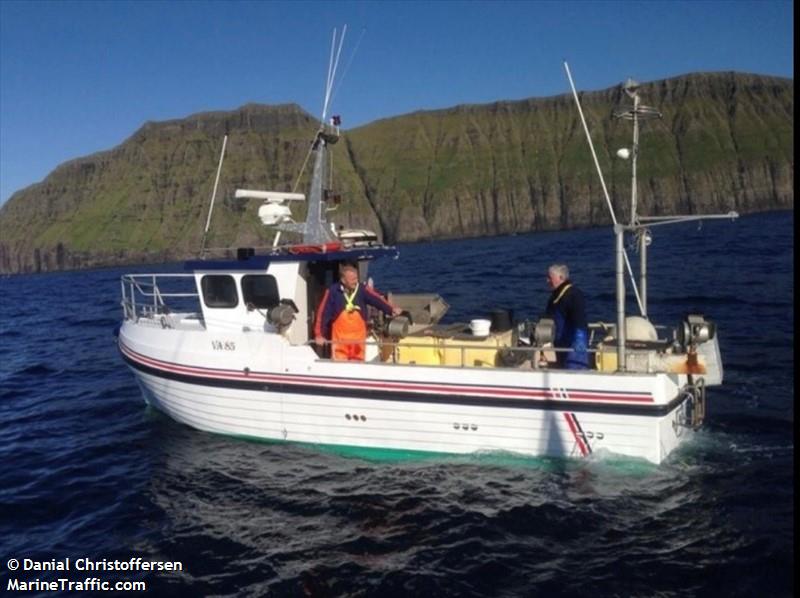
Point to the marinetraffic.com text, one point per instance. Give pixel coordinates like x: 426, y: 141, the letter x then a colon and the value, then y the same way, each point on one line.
x: 23, y: 574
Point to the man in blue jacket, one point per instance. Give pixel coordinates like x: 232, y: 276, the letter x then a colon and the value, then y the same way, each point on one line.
x: 342, y: 315
x: 567, y: 308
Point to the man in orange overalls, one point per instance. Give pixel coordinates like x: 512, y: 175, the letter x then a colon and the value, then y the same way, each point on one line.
x: 342, y: 315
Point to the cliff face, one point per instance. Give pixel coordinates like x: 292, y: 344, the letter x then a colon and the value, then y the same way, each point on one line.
x: 725, y: 143
x: 147, y: 199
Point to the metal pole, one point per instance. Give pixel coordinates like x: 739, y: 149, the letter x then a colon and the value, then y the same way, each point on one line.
x: 213, y: 194
x: 591, y: 145
x: 634, y: 215
x: 124, y: 298
x: 619, y: 231
x: 635, y: 157
x: 600, y: 175
x: 643, y: 236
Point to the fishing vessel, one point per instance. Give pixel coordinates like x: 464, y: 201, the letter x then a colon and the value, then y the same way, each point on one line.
x: 242, y: 361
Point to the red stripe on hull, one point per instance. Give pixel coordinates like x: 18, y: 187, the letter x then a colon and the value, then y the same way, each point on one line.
x: 488, y: 391
x: 579, y: 440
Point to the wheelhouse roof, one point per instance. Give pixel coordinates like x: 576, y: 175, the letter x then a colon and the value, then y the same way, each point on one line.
x: 292, y: 254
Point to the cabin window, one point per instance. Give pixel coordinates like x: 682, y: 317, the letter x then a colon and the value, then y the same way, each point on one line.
x: 219, y: 290
x: 260, y: 291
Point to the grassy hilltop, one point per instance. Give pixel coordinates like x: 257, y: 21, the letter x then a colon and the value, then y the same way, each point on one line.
x: 725, y: 143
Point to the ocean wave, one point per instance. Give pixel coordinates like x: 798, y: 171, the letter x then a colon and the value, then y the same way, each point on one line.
x: 89, y: 469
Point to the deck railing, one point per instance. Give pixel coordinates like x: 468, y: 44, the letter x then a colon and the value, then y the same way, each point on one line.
x: 388, y: 353
x: 530, y: 356
x: 143, y: 297
x: 147, y: 296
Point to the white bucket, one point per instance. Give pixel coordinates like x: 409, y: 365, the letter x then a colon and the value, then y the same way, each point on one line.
x: 480, y: 327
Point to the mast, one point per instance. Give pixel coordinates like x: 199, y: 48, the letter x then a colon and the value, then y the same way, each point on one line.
x: 639, y: 225
x: 638, y: 112
x: 619, y: 234
x: 316, y: 230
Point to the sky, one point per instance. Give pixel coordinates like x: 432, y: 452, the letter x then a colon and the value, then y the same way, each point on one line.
x: 81, y: 77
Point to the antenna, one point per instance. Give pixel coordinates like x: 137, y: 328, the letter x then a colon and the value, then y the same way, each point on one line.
x: 213, y: 196
x: 349, y: 61
x: 639, y: 112
x: 315, y: 229
x: 333, y: 64
x: 637, y: 225
x: 603, y: 184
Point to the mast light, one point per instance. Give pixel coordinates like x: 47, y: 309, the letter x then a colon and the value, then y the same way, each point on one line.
x: 631, y: 86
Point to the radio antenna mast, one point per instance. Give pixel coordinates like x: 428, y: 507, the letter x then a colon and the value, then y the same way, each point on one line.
x: 213, y: 196
x: 333, y: 64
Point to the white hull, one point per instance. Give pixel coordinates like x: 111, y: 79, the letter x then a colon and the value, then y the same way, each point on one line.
x: 294, y: 396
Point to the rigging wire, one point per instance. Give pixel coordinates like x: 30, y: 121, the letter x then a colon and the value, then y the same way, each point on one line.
x: 603, y: 184
x: 303, y: 167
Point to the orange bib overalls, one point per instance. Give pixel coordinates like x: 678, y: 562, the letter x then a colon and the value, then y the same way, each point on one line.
x: 350, y: 329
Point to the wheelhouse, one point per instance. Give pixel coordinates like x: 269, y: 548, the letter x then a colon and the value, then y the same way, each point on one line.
x: 248, y: 293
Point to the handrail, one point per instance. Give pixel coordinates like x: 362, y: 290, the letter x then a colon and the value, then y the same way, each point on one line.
x: 536, y: 352
x: 463, y: 348
x: 146, y: 286
x: 153, y: 302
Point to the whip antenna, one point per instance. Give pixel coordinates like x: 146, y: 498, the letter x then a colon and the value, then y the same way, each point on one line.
x: 349, y: 61
x: 602, y: 183
x: 333, y: 64
x: 213, y: 196
x: 328, y: 78
x: 591, y: 145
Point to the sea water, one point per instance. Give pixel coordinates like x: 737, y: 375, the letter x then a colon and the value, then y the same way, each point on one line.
x: 89, y: 472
